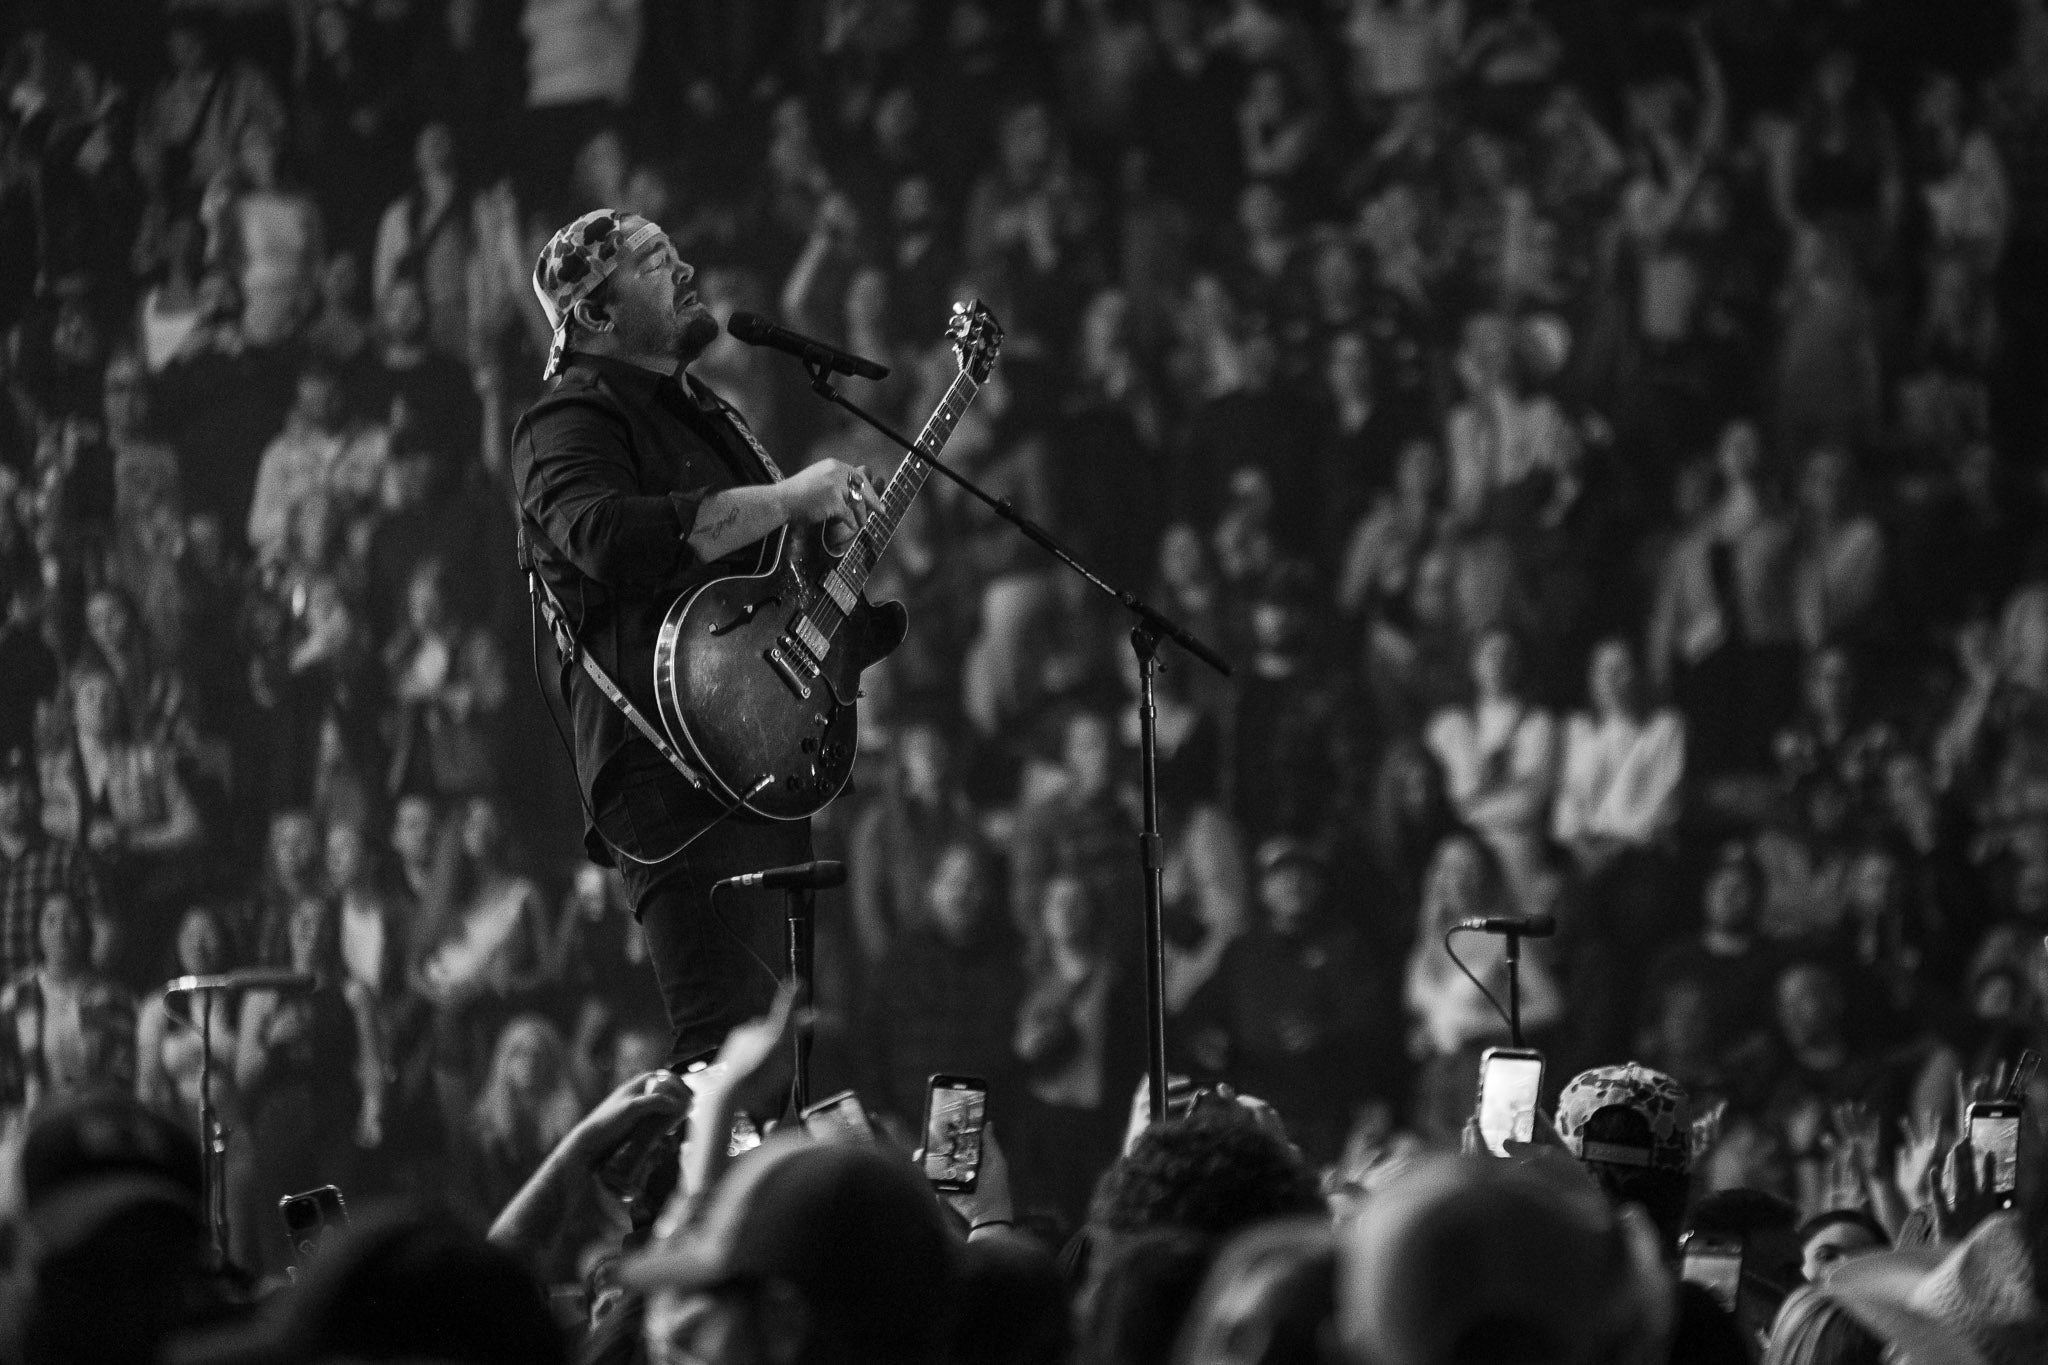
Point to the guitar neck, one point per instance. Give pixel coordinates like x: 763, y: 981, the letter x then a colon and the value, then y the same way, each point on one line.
x: 866, y: 551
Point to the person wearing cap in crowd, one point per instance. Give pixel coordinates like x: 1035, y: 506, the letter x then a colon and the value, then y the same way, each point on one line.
x: 1631, y: 1127
x: 102, y: 1246
x: 636, y: 484
x: 819, y: 1253
x: 400, y: 1284
x: 33, y: 864
x: 1295, y: 1004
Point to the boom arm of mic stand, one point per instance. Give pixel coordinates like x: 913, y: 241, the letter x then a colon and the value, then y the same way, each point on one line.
x: 1155, y: 620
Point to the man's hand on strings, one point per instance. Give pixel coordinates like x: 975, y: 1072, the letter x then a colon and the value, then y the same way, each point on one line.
x: 829, y: 491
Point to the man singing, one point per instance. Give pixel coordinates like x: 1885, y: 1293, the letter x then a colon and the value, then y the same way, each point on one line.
x: 636, y: 484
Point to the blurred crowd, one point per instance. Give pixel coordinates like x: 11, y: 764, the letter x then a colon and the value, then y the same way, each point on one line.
x: 1606, y: 440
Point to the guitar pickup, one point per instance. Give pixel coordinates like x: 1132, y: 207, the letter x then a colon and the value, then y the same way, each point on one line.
x: 780, y: 662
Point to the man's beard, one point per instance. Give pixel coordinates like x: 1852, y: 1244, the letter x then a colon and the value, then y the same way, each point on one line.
x: 698, y: 331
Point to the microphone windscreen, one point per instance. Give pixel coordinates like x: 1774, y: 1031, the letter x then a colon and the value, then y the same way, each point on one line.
x: 748, y: 327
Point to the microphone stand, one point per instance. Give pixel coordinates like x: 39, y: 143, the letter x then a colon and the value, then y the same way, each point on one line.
x: 1514, y: 961
x: 213, y: 1138
x: 1152, y: 625
x: 799, y: 921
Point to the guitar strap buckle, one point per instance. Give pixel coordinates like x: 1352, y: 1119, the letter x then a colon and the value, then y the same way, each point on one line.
x: 551, y: 612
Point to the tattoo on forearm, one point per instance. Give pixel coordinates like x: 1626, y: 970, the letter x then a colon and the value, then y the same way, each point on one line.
x: 719, y: 523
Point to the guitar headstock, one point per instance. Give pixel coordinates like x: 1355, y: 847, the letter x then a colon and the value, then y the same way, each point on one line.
x: 977, y: 337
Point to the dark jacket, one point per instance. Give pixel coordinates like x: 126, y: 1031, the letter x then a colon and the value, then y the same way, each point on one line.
x: 611, y: 466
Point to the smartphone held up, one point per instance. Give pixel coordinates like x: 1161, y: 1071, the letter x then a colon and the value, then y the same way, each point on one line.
x: 955, y: 1112
x: 1510, y: 1081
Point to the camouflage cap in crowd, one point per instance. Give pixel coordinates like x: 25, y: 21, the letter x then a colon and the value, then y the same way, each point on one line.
x: 1666, y: 1142
x: 576, y: 261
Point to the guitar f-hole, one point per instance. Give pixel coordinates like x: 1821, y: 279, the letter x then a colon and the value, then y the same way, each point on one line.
x: 746, y: 615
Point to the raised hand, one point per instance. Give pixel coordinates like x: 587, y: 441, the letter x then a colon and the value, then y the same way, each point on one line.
x: 1966, y: 1197
x: 649, y: 1093
x: 1919, y: 1143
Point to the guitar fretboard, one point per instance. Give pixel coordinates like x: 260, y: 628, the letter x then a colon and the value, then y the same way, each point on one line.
x: 845, y: 582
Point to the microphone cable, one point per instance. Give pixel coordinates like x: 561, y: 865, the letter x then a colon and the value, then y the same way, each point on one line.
x: 1490, y: 999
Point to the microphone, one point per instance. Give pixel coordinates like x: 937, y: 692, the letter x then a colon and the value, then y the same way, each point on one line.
x: 1528, y: 926
x: 756, y: 330
x: 247, y: 979
x: 814, y: 876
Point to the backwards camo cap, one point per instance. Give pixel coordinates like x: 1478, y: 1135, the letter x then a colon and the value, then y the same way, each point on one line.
x: 576, y: 261
x: 1653, y: 1096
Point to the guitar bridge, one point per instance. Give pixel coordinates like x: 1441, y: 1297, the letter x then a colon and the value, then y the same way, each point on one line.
x: 797, y: 675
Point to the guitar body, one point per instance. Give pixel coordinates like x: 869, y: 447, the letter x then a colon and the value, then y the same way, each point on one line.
x: 758, y: 675
x: 742, y: 716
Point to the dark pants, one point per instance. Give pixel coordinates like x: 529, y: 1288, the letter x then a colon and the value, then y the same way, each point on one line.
x: 716, y: 966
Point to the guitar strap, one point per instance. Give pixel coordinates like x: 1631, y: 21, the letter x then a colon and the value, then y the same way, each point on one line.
x: 566, y: 644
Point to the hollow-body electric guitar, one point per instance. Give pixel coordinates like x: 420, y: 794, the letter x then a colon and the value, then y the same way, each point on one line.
x: 758, y: 675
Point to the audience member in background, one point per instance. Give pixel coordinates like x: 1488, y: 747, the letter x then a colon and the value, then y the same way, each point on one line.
x: 1500, y: 758
x: 1994, y: 745
x: 1721, y: 629
x: 1833, y: 738
x: 1297, y: 1003
x: 339, y: 333
x: 1617, y: 810
x: 378, y: 927
x: 33, y: 864
x: 1618, y: 792
x: 1407, y: 819
x: 447, y: 681
x: 1816, y: 1067
x: 425, y: 235
x: 1836, y: 1235
x: 191, y: 124
x: 600, y: 956
x: 309, y: 1066
x: 1077, y: 1039
x: 492, y: 948
x: 68, y: 1027
x: 425, y: 853
x: 269, y: 235
x: 527, y: 1104
x: 1806, y: 854
x: 292, y: 873
x: 943, y: 997
x: 1292, y: 737
x: 426, y: 398
x: 1735, y: 970
x: 1071, y: 819
x: 918, y: 814
x: 1838, y: 555
x: 1451, y: 1020
x: 322, y: 452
